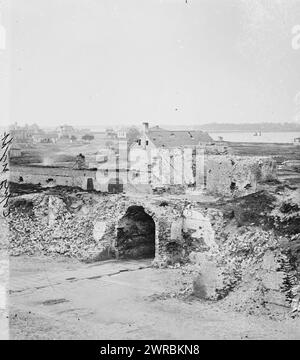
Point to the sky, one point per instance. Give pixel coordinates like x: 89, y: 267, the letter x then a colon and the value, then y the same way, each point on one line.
x: 117, y: 62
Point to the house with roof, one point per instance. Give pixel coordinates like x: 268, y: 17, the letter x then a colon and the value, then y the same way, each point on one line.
x: 297, y: 141
x: 45, y: 137
x: 156, y: 137
x: 14, y: 152
x: 65, y: 131
x: 163, y: 156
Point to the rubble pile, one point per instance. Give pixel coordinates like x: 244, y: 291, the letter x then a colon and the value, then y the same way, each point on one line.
x: 44, y: 224
x: 233, y: 176
x: 244, y: 252
x: 256, y: 265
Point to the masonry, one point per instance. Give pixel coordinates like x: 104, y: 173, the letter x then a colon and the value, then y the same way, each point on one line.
x: 88, y: 225
x: 221, y: 235
x: 221, y: 243
x: 237, y: 175
x: 49, y: 176
x: 180, y: 169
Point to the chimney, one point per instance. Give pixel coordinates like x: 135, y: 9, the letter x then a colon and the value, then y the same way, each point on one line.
x: 146, y: 126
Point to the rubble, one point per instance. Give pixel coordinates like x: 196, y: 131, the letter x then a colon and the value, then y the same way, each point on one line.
x: 257, y: 265
x: 234, y: 176
x: 242, y: 252
x: 52, y: 228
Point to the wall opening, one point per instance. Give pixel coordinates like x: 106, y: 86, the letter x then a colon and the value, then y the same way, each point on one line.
x: 233, y: 186
x: 115, y: 186
x: 136, y: 234
x: 90, y: 184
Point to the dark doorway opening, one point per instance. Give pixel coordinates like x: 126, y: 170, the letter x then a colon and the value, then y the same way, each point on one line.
x: 136, y: 234
x: 115, y: 186
x: 90, y: 184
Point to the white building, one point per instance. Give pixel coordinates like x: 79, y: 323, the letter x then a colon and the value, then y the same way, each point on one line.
x: 163, y: 157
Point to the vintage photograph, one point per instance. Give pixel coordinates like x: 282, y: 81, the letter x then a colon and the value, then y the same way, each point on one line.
x: 150, y: 171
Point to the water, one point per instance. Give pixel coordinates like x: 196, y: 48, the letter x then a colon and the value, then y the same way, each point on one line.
x: 267, y: 137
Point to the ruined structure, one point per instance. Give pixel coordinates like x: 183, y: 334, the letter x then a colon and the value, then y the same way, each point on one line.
x: 176, y: 171
x: 160, y: 161
x: 156, y: 137
x: 237, y: 176
x: 192, y: 160
x: 248, y: 245
x: 182, y: 206
x: 135, y: 234
x: 49, y: 176
x: 123, y: 226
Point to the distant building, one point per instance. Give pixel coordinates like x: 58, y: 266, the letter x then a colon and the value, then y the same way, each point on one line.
x: 101, y: 158
x: 14, y: 152
x: 20, y: 134
x: 297, y: 141
x: 121, y: 134
x: 65, y: 131
x: 24, y: 134
x: 34, y: 129
x: 160, y: 156
x: 157, y: 137
x: 49, y: 137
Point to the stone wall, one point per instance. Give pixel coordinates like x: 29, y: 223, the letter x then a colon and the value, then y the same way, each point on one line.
x: 237, y: 176
x: 48, y: 176
x: 84, y: 225
x: 255, y: 263
x: 248, y: 247
x: 175, y: 170
x: 221, y: 174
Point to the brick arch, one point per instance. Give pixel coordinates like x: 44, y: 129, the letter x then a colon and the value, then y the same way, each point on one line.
x: 149, y: 211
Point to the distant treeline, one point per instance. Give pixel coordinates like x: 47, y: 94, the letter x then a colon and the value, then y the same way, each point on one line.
x: 266, y: 127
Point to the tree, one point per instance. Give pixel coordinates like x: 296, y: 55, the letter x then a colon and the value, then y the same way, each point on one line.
x: 133, y: 134
x: 88, y: 137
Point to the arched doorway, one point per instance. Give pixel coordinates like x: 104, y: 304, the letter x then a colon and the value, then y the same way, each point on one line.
x: 136, y: 234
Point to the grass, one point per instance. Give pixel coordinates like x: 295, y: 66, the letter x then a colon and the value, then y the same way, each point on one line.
x: 280, y: 152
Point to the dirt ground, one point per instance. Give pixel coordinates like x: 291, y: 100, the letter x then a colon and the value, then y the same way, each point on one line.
x: 64, y: 299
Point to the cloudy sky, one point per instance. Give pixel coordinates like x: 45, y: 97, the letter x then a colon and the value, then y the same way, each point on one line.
x: 99, y: 62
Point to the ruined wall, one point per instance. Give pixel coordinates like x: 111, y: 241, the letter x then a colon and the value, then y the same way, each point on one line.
x: 82, y: 225
x: 237, y: 176
x: 105, y: 177
x: 51, y: 176
x: 254, y: 265
x: 245, y: 252
x: 221, y: 174
x: 171, y: 171
x: 47, y: 176
x: 85, y: 225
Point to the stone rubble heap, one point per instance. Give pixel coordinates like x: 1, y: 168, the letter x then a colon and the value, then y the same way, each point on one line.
x: 48, y: 226
x: 256, y: 265
x: 245, y: 253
